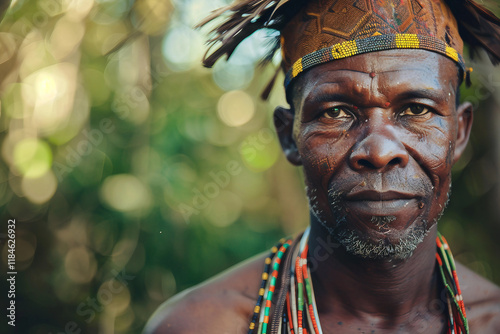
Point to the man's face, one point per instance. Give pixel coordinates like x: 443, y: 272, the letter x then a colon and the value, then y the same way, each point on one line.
x: 377, y: 135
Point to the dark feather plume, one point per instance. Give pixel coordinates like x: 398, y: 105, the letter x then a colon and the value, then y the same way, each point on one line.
x: 478, y: 27
x: 245, y: 18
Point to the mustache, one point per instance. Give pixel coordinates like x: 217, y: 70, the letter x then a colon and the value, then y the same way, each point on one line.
x: 383, y: 183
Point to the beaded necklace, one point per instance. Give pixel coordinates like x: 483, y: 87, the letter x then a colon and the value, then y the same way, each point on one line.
x: 295, y: 309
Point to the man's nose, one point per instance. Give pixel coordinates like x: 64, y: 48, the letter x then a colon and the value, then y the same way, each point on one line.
x: 379, y: 150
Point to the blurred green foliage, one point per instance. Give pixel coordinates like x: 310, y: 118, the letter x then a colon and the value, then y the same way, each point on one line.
x: 133, y: 173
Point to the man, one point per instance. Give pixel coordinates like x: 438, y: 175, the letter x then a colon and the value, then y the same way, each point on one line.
x: 375, y: 123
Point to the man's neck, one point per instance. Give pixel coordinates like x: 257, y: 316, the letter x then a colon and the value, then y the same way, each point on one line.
x: 391, y: 290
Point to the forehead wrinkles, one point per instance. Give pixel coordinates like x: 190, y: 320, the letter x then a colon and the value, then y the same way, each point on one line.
x: 362, y: 89
x: 389, y: 79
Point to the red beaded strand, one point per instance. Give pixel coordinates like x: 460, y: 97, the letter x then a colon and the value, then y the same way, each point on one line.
x: 458, y: 296
x: 306, y: 278
x: 300, y: 292
x: 289, y: 313
x: 447, y: 269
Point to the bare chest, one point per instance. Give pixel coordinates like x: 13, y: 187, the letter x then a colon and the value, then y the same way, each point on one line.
x: 417, y: 323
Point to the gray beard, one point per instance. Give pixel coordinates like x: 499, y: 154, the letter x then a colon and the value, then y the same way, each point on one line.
x: 355, y: 244
x: 363, y: 247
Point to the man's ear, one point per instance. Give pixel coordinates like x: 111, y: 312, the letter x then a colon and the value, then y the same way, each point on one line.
x: 465, y: 116
x: 283, y: 121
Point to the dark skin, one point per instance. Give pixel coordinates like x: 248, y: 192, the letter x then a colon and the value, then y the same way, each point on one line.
x: 381, y: 131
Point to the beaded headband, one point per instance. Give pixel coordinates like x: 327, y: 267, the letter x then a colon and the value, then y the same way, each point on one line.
x: 371, y: 44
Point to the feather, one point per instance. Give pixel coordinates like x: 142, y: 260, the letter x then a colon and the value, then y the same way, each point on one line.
x: 246, y: 17
x: 281, y: 3
x: 478, y: 27
x: 265, y: 93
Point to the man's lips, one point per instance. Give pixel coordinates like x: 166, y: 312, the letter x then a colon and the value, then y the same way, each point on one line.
x: 373, y: 195
x: 381, y: 203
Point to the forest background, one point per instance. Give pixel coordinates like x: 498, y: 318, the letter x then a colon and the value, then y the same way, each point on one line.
x: 133, y: 173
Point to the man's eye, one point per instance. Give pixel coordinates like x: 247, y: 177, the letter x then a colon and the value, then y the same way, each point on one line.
x: 336, y: 112
x: 415, y: 110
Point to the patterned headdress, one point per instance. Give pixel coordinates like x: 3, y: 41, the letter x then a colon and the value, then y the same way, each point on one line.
x: 317, y: 31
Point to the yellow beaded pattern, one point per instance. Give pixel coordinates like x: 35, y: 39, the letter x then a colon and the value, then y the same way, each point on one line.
x: 372, y: 44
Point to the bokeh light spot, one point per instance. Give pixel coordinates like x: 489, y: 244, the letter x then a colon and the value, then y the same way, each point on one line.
x: 124, y: 320
x: 7, y: 45
x: 224, y: 209
x: 230, y: 76
x: 260, y: 150
x: 12, y: 101
x: 46, y: 87
x: 32, y: 157
x: 125, y: 193
x: 24, y: 250
x: 152, y: 15
x: 235, y: 108
x: 49, y: 93
x: 66, y: 37
x: 80, y: 265
x: 39, y: 190
x: 114, y: 295
x: 183, y: 48
x: 160, y: 283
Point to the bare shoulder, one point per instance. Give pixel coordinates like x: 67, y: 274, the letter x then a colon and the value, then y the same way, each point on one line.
x: 223, y: 304
x: 482, y: 301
